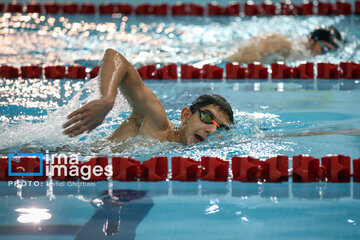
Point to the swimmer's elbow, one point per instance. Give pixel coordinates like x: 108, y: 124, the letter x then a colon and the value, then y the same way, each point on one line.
x: 110, y: 51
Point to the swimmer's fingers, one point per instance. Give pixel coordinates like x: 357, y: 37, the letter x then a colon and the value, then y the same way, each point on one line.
x: 91, y: 128
x: 78, y: 128
x: 77, y: 112
x: 73, y: 120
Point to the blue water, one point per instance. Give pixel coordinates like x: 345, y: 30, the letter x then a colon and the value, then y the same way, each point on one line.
x: 32, y: 112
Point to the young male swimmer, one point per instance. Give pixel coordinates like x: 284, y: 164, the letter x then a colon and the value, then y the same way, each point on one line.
x: 207, y: 114
x: 272, y: 47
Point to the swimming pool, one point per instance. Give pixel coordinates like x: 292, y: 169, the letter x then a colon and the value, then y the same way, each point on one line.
x: 33, y: 110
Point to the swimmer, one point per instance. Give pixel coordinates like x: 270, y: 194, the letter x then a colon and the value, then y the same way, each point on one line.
x: 207, y: 114
x: 272, y: 47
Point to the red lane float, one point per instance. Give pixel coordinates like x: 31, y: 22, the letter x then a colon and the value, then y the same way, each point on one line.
x: 25, y: 165
x: 356, y: 167
x: 168, y: 72
x: 87, y: 8
x: 343, y: 7
x: 257, y: 71
x: 97, y: 166
x: 33, y: 7
x: 214, y: 9
x: 9, y: 72
x: 144, y: 9
x: 185, y: 169
x: 268, y: 8
x: 124, y: 8
x: 52, y: 7
x: 2, y: 7
x: 328, y: 71
x: 106, y: 8
x: 4, y: 170
x: 32, y: 165
x: 14, y: 7
x: 337, y: 168
x: 251, y: 9
x: 147, y: 72
x: 128, y: 169
x: 31, y: 72
x: 235, y: 71
x: 233, y: 9
x: 248, y: 169
x: 76, y: 72
x: 190, y: 72
x: 161, y: 9
x: 350, y: 70
x: 94, y: 72
x: 357, y: 7
x: 281, y: 71
x: 196, y: 9
x: 60, y: 168
x: 325, y: 8
x: 288, y: 9
x: 70, y: 8
x: 212, y: 72
x: 155, y: 169
x: 179, y: 9
x: 214, y: 169
x: 125, y: 169
x: 55, y: 72
x: 275, y: 169
x: 245, y: 169
x: 307, y: 8
x: 305, y: 169
x: 304, y: 71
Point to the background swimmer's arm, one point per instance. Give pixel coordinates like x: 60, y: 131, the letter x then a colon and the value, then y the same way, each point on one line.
x: 350, y: 132
x: 116, y: 71
x: 257, y: 48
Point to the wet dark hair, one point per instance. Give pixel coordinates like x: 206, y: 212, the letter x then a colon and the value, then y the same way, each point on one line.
x: 207, y: 99
x: 327, y: 34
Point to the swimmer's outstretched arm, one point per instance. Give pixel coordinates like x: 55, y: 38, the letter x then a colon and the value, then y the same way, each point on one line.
x: 350, y: 132
x: 116, y: 72
x: 257, y: 48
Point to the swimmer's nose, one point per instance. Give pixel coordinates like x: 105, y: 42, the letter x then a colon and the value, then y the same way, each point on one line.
x: 210, y: 129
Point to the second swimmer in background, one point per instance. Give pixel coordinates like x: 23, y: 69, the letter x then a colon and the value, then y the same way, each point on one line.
x: 272, y: 47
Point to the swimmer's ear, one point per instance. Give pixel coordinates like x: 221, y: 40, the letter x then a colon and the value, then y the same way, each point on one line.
x: 185, y: 114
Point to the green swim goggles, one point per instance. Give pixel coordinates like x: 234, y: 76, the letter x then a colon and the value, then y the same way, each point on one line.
x: 324, y: 49
x: 208, y: 118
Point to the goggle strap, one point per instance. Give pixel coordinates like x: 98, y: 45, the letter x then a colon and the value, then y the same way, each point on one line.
x: 217, y: 125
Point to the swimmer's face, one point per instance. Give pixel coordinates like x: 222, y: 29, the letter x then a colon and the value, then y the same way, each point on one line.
x: 197, y: 131
x: 320, y: 47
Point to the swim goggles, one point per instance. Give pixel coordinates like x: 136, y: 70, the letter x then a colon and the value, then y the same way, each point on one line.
x: 324, y: 48
x: 208, y: 118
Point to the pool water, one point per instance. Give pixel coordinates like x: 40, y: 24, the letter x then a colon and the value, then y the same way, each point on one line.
x: 33, y: 111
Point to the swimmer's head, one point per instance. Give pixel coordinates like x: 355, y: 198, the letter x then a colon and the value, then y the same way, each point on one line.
x: 215, y: 99
x: 207, y: 114
x: 324, y: 39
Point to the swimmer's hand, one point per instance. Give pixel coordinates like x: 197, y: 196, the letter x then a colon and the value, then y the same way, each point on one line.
x: 88, y: 117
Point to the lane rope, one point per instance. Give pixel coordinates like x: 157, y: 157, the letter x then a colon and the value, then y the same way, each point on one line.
x: 249, y: 8
x: 344, y: 70
x: 305, y: 168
